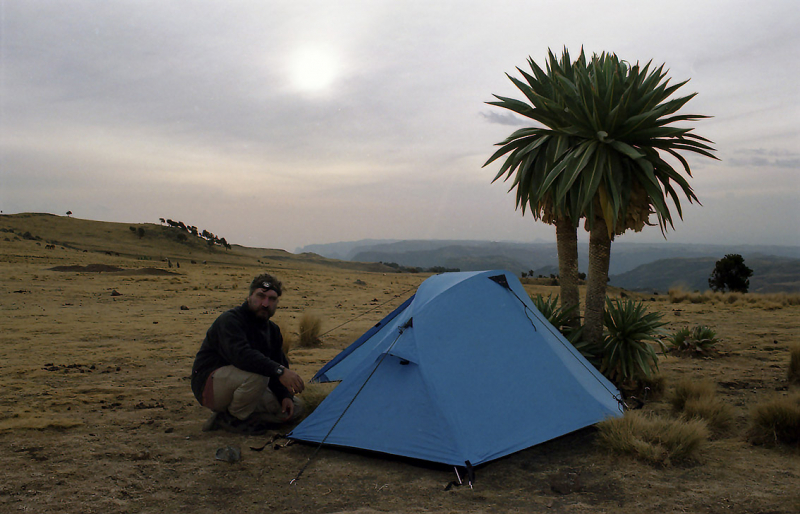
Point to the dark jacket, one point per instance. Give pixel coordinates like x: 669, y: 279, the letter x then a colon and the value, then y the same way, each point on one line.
x: 240, y: 338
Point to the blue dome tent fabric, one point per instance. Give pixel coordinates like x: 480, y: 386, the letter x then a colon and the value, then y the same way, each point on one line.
x: 464, y: 372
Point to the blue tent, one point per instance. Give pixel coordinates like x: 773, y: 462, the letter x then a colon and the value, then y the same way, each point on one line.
x: 464, y: 372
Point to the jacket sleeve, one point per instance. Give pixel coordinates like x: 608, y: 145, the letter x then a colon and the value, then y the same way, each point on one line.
x: 275, y: 385
x: 234, y: 348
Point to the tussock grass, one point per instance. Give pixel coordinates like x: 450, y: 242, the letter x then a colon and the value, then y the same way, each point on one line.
x: 767, y: 301
x: 313, y: 395
x: 794, y: 365
x: 776, y: 422
x: 718, y: 415
x: 310, y: 329
x: 688, y: 389
x: 653, y: 439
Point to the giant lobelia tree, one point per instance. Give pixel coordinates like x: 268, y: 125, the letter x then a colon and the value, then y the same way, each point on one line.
x: 599, y: 156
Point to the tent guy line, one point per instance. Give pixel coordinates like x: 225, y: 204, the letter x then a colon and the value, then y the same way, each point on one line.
x: 408, y: 324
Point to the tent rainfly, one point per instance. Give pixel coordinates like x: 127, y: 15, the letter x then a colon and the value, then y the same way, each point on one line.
x: 464, y: 372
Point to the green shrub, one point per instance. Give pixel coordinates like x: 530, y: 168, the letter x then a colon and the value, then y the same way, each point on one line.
x: 627, y: 354
x: 776, y: 422
x: 653, y: 439
x: 699, y: 341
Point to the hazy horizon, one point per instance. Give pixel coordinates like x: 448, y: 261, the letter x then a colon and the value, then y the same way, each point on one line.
x: 279, y: 125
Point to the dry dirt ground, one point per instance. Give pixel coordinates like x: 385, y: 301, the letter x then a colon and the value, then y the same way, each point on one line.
x: 96, y: 413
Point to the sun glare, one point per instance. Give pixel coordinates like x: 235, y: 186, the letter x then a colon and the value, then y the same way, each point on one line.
x: 313, y: 69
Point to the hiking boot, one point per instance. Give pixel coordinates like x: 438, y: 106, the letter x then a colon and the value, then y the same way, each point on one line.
x: 212, y: 423
x: 249, y: 426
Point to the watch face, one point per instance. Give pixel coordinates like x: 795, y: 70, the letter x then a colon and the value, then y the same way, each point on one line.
x: 280, y: 371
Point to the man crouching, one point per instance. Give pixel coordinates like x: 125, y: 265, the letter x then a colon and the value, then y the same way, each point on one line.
x: 241, y: 372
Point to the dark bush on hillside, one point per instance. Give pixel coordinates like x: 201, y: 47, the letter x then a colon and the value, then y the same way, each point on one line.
x: 731, y: 274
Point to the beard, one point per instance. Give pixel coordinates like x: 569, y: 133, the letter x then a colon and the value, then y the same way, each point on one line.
x: 265, y: 313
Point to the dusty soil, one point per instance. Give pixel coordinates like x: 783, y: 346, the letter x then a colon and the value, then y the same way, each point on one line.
x: 97, y: 414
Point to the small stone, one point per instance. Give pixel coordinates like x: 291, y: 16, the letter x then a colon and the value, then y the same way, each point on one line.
x: 115, y: 293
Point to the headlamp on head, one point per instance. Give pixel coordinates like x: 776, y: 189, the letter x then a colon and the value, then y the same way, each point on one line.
x: 267, y: 286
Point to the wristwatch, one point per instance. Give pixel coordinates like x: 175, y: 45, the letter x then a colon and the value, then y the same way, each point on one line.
x: 280, y: 370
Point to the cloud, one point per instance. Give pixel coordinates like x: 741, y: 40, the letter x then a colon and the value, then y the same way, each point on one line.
x: 504, y: 119
x: 778, y: 158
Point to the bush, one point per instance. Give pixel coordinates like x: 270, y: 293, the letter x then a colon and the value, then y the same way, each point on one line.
x: 653, y: 439
x: 730, y: 273
x: 794, y: 365
x: 627, y: 354
x: 699, y: 341
x: 310, y: 329
x: 776, y: 422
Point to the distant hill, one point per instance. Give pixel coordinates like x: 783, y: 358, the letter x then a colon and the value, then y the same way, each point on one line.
x: 632, y: 264
x: 157, y: 243
x: 770, y: 275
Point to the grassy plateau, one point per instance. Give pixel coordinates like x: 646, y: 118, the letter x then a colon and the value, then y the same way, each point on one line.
x: 97, y: 415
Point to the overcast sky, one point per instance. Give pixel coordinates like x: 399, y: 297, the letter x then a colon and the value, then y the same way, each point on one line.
x: 280, y: 124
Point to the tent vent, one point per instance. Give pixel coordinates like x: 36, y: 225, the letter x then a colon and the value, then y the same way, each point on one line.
x: 500, y: 279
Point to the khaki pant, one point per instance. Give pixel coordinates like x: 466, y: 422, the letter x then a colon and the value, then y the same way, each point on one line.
x: 243, y: 394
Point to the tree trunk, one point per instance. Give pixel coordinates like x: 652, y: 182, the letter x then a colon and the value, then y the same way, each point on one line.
x: 599, y: 258
x: 567, y: 239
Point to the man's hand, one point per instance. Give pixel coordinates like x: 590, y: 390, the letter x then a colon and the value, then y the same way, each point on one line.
x: 287, y: 408
x: 292, y: 381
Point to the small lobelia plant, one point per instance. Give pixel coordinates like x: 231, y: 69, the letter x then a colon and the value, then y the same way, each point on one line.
x: 627, y: 354
x: 558, y: 316
x: 700, y: 341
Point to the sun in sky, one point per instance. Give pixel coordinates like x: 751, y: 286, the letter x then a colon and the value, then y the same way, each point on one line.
x: 313, y: 68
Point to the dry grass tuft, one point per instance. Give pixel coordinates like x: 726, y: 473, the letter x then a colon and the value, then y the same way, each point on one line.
x: 691, y: 389
x: 776, y: 422
x: 767, y: 301
x: 794, y: 365
x: 677, y: 295
x: 310, y: 329
x: 653, y: 439
x: 718, y: 415
x: 313, y: 395
x: 697, y: 399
